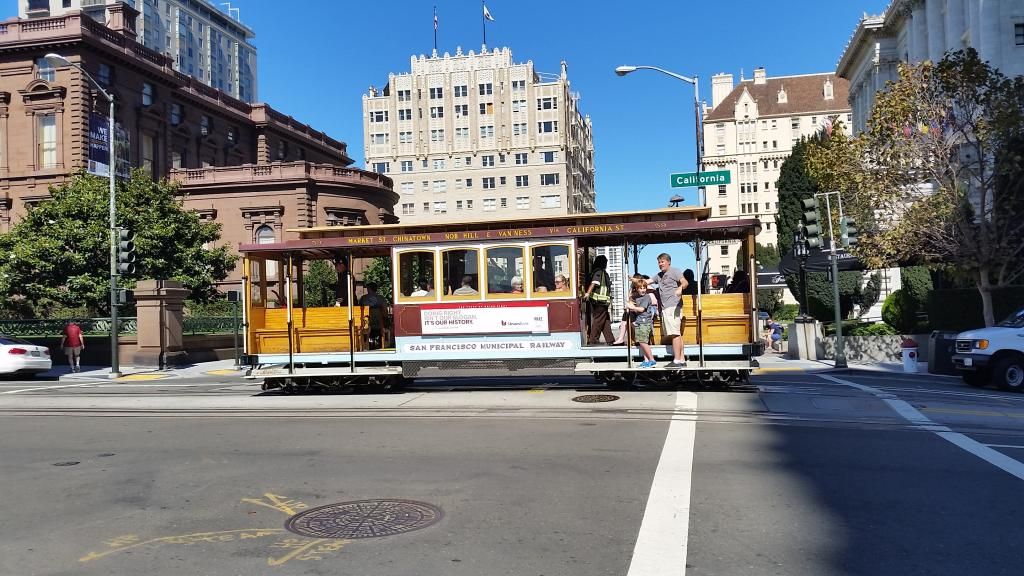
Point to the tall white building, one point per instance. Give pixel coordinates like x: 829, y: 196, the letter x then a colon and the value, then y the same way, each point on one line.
x: 919, y: 30
x: 476, y: 136
x: 205, y: 43
x: 750, y: 129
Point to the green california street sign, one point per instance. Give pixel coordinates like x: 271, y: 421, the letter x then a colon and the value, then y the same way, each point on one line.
x: 691, y: 179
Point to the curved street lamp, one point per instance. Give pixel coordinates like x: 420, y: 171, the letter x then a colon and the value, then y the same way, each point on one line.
x: 56, y: 60
x: 627, y: 69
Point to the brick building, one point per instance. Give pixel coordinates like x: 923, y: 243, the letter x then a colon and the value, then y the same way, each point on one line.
x: 252, y: 169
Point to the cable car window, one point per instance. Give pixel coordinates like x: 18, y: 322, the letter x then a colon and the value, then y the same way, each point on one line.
x: 552, y: 274
x: 505, y: 265
x: 416, y: 276
x: 460, y: 273
x: 255, y: 279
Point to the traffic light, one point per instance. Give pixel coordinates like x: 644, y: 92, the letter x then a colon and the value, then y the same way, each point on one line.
x: 125, y: 296
x: 809, y: 223
x: 848, y: 231
x: 125, y: 251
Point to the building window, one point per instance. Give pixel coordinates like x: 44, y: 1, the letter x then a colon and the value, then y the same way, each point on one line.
x: 379, y: 116
x: 147, y: 94
x: 490, y: 204
x: 469, y: 204
x: 264, y: 235
x: 405, y: 114
x: 469, y: 182
x: 426, y: 207
x: 147, y: 153
x: 501, y: 180
x: 458, y: 205
x: 440, y: 186
x: 436, y: 93
x: 232, y: 135
x: 437, y: 112
x: 407, y: 187
x: 547, y: 126
x: 282, y: 153
x: 794, y: 124
x: 725, y: 250
x: 426, y: 164
x: 519, y: 105
x: 549, y: 179
x: 462, y: 110
x: 437, y: 135
x: 177, y: 158
x: 488, y: 183
x: 550, y: 157
x: 486, y: 89
x: 519, y: 129
x: 487, y: 161
x: 439, y: 164
x: 550, y: 103
x: 404, y: 95
x: 723, y: 210
x: 522, y: 181
x: 45, y: 70
x: 503, y: 202
x: 487, y: 131
x: 518, y: 85
x: 405, y: 137
x: 381, y: 167
x: 47, y: 134
x: 522, y: 202
x: 440, y: 207
x: 406, y: 165
x: 486, y: 108
x: 103, y: 75
x: 726, y: 269
x: 175, y: 114
x: 814, y: 120
x: 462, y: 132
x: 521, y: 158
x: 461, y: 91
x: 469, y: 160
x: 550, y: 201
x: 721, y: 190
x: 426, y: 185
x: 204, y: 125
x: 408, y: 208
x: 379, y: 138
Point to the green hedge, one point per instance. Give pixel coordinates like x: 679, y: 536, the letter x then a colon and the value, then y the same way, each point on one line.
x: 960, y: 309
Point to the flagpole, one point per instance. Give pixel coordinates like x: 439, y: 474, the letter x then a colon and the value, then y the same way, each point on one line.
x: 435, y: 28
x: 483, y: 20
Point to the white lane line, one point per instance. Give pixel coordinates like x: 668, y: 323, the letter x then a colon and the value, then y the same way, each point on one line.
x: 911, y: 414
x: 1004, y: 446
x: 661, y: 543
x: 46, y: 388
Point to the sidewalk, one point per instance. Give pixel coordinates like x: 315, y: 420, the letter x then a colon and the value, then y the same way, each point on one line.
x: 773, y: 362
x: 129, y: 373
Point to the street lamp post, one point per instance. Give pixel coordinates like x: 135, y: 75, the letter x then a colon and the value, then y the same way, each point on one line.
x: 623, y: 70
x: 58, y: 60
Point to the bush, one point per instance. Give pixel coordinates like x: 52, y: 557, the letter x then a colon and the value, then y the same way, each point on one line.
x: 899, y: 312
x: 214, y: 308
x: 917, y: 284
x: 878, y: 329
x: 959, y: 309
x: 786, y: 313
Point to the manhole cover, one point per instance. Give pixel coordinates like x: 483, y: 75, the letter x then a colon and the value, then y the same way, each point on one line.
x: 596, y: 398
x: 364, y: 519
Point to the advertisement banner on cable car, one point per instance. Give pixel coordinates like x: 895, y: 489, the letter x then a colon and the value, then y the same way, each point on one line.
x: 484, y: 318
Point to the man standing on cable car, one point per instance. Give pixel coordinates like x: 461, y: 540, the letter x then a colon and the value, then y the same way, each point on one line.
x: 671, y: 284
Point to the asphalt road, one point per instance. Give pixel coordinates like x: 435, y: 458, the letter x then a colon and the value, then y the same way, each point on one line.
x: 847, y: 474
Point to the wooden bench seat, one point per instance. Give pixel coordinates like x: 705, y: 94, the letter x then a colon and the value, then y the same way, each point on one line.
x: 313, y: 330
x: 726, y: 320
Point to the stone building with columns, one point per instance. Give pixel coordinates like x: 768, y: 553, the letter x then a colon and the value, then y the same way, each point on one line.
x: 246, y: 166
x: 918, y: 30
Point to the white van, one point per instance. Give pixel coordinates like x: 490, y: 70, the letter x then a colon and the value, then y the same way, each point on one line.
x: 993, y: 354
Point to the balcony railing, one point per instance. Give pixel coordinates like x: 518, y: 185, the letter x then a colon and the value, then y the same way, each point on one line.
x: 279, y: 171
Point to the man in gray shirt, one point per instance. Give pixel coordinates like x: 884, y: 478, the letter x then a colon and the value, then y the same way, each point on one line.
x: 671, y: 284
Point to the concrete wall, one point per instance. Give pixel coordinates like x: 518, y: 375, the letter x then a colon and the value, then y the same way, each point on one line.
x: 868, y: 349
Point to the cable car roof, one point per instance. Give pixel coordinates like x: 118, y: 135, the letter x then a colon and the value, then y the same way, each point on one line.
x: 591, y: 229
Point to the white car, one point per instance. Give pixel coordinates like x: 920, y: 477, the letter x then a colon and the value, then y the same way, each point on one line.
x: 994, y: 354
x: 22, y: 357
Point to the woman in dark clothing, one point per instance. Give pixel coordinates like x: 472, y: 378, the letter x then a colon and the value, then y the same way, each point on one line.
x: 599, y: 296
x: 691, y: 284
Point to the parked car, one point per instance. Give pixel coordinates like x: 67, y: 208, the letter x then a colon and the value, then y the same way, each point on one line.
x: 993, y: 354
x: 22, y: 357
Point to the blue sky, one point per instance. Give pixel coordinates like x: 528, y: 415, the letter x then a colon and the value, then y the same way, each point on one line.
x: 317, y: 58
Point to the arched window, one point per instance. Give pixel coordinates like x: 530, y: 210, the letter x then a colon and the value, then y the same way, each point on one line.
x: 265, y: 235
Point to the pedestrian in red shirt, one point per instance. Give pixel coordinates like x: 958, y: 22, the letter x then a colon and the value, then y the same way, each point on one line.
x: 73, y: 344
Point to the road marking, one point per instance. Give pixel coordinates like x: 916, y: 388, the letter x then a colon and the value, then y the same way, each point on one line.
x: 137, y: 377
x: 661, y: 543
x: 971, y: 412
x: 46, y: 388
x: 224, y: 372
x: 1003, y: 446
x: 911, y: 414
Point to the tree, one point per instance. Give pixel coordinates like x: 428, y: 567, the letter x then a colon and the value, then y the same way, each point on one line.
x: 58, y: 255
x: 820, y: 297
x: 936, y: 177
x: 764, y: 254
x: 869, y: 293
x: 379, y: 272
x: 319, y: 284
x: 795, y: 184
x: 769, y: 300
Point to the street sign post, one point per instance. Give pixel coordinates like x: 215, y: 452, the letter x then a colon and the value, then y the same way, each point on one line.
x: 691, y: 179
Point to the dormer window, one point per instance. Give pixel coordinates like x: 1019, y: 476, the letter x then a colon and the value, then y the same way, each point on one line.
x: 782, y: 96
x: 828, y: 90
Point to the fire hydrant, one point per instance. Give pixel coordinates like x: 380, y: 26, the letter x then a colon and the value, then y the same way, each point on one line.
x: 909, y: 349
